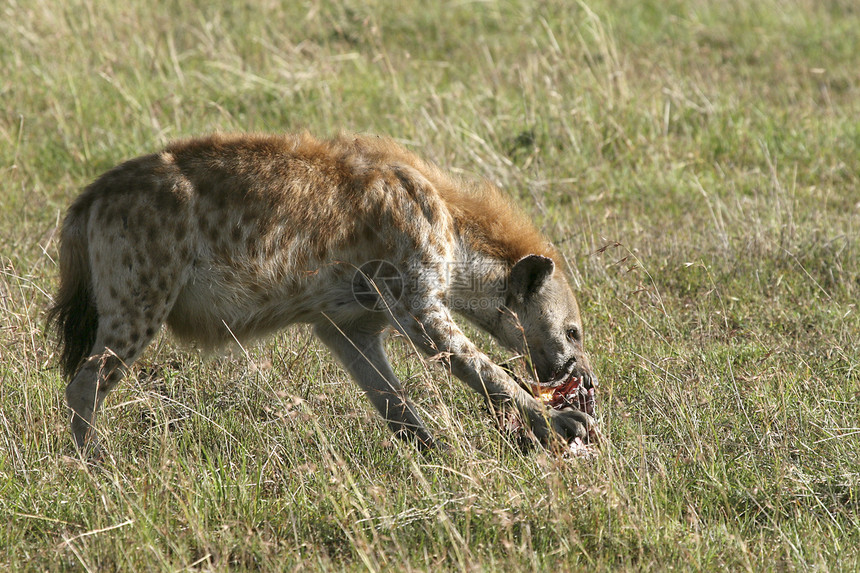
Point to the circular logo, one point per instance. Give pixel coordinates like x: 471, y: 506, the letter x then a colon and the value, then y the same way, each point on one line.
x: 377, y: 285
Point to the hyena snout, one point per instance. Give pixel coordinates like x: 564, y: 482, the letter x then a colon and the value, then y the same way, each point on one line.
x: 586, y: 374
x: 582, y: 369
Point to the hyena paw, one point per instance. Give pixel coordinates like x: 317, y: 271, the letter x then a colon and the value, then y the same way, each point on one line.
x: 571, y: 425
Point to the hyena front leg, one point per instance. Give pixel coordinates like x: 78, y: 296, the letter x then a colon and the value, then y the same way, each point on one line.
x: 431, y: 328
x: 360, y: 350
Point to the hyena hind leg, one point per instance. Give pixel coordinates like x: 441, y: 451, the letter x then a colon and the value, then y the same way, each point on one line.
x: 125, y: 256
x: 119, y: 342
x: 123, y: 333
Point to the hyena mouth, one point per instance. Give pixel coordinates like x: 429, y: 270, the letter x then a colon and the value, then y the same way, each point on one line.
x: 576, y: 392
x: 561, y: 375
x: 572, y: 386
x: 575, y: 389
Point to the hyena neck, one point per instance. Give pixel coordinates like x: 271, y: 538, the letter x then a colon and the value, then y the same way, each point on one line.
x: 492, y: 235
x: 478, y: 287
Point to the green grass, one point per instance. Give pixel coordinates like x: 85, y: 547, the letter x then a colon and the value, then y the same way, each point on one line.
x: 697, y: 162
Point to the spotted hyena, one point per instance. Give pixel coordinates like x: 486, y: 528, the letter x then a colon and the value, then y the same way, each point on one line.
x: 230, y: 237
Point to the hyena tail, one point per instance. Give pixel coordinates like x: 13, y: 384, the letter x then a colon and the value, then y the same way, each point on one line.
x: 74, y: 315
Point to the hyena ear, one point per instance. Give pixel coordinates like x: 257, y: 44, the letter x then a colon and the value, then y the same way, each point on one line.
x: 528, y: 275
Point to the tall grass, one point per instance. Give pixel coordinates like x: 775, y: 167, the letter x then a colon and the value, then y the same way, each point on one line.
x: 696, y: 162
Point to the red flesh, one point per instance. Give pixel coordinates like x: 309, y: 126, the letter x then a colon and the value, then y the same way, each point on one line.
x: 569, y: 394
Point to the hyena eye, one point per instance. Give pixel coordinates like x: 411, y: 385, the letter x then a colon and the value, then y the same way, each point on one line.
x: 573, y: 334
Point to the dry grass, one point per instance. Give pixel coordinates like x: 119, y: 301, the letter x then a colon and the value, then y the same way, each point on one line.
x: 697, y: 163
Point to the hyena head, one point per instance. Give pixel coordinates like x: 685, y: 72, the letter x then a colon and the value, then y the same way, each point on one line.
x: 543, y: 322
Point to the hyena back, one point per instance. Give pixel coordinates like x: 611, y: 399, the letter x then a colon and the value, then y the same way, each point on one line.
x: 230, y: 237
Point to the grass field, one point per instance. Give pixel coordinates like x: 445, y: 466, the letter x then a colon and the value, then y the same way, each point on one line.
x: 697, y: 163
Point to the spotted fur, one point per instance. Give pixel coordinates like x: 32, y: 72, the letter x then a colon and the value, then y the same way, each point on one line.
x: 234, y: 236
